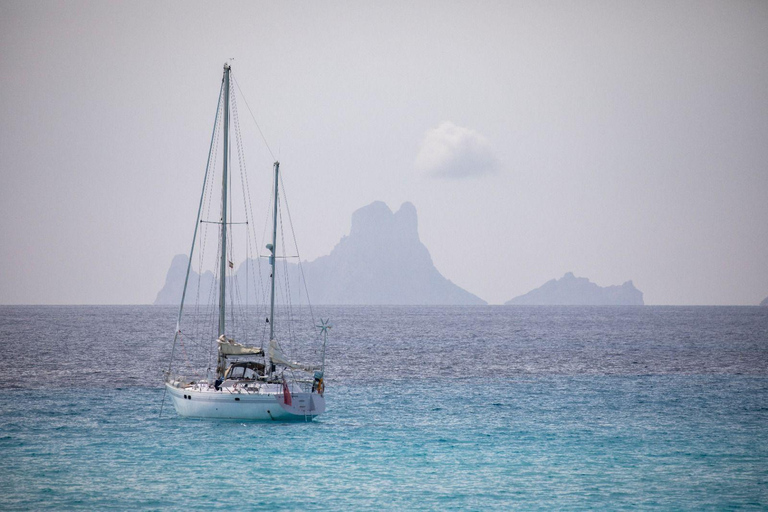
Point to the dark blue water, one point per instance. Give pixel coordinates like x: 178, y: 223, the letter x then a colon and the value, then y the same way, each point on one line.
x: 449, y: 408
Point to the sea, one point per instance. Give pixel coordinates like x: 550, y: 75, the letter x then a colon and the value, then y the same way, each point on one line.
x: 428, y: 408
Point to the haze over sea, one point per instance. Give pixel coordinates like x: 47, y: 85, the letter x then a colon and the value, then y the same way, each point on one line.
x: 485, y: 407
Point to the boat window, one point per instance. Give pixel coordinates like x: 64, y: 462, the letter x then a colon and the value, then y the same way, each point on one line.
x: 236, y: 372
x: 249, y: 374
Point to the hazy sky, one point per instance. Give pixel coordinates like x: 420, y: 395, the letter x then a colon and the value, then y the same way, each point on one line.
x: 618, y: 140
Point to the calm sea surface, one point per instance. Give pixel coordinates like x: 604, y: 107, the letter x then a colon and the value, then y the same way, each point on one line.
x: 464, y: 408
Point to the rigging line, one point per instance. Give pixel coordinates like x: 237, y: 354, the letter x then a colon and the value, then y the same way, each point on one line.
x: 232, y: 294
x: 250, y: 261
x: 214, y: 298
x: 291, y: 336
x: 241, y: 298
x: 266, y: 285
x: 202, y: 243
x: 211, y: 318
x: 231, y: 234
x: 212, y: 174
x: 247, y: 193
x: 266, y: 223
x: 296, y: 244
x: 208, y: 319
x: 253, y: 240
x: 263, y: 332
x: 240, y: 150
x: 197, y: 296
x: 247, y: 275
x: 246, y: 328
x: 184, y: 351
x: 254, y: 118
x: 236, y: 286
x: 189, y: 336
x: 242, y: 167
x: 194, y: 236
x: 209, y: 306
x: 200, y: 249
x: 257, y: 260
x: 238, y: 308
x: 253, y: 311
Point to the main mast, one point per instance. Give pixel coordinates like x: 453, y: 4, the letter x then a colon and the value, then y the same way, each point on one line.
x: 223, y: 265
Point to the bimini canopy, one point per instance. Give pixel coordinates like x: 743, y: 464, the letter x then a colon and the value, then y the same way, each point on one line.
x: 248, y: 370
x: 276, y: 356
x: 228, y: 347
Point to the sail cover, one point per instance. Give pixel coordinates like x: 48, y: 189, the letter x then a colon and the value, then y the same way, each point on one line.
x: 276, y: 356
x: 228, y: 347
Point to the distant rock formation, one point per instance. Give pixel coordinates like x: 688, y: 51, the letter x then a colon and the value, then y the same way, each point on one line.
x: 765, y: 302
x: 174, y: 282
x: 580, y: 291
x: 381, y: 261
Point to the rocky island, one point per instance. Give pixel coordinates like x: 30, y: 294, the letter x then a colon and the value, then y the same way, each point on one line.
x: 381, y: 261
x: 570, y: 290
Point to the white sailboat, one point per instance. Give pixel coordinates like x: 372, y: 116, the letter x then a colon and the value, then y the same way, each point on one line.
x: 249, y: 382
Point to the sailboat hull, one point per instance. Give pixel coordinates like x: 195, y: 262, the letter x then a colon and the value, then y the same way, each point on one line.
x: 243, y: 405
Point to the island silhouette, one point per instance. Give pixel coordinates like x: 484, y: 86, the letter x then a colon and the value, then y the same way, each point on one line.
x: 381, y: 261
x: 570, y: 290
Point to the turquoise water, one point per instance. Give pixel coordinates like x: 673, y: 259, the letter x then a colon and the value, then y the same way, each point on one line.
x: 463, y: 437
x: 591, y: 442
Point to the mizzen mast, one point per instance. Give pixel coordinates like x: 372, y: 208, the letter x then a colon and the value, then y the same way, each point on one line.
x: 273, y: 249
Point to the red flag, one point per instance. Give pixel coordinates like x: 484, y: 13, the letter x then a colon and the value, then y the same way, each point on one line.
x: 286, y: 393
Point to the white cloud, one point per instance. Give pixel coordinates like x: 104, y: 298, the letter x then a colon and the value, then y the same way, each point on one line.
x: 451, y: 151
